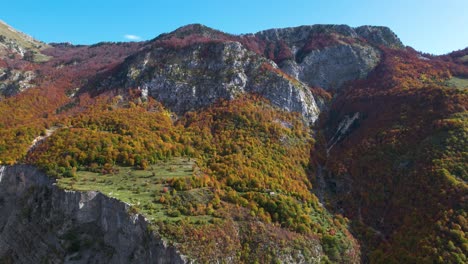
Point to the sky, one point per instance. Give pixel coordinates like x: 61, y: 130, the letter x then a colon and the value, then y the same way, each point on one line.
x: 431, y: 26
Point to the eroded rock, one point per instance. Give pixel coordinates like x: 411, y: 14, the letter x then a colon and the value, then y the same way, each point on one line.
x: 41, y: 222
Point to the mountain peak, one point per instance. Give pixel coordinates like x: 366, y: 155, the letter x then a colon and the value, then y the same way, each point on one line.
x: 194, y: 30
x: 379, y: 35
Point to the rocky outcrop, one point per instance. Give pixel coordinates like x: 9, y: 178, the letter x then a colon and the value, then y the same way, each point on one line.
x: 14, y: 43
x: 298, y: 36
x: 332, y: 66
x: 380, y: 36
x: 15, y: 81
x: 41, y: 222
x: 329, y: 55
x: 194, y: 66
x: 342, y: 130
x: 188, y: 78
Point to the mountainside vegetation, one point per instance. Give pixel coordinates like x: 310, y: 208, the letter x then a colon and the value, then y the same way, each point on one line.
x: 407, y: 160
x: 234, y: 173
x: 251, y: 161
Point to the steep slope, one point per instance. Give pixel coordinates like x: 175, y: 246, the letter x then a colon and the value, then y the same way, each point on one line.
x: 195, y: 65
x: 318, y: 55
x: 234, y: 199
x: 203, y: 132
x: 31, y: 105
x: 327, y: 55
x: 188, y: 78
x: 398, y: 167
x: 59, y: 226
x: 17, y: 50
x: 15, y: 43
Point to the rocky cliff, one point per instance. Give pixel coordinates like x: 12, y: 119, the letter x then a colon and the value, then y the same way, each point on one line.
x: 186, y: 70
x: 328, y: 55
x: 197, y: 75
x: 14, y: 81
x: 41, y: 222
x: 194, y: 66
x: 17, y: 52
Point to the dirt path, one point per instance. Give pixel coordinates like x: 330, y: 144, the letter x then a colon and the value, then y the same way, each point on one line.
x: 39, y: 139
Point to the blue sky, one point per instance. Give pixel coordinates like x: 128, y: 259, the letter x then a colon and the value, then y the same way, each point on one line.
x: 430, y: 26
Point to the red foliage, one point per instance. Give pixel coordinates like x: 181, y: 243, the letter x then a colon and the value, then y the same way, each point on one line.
x: 179, y: 43
x: 320, y: 92
x: 253, y: 43
x: 270, y: 68
x: 278, y: 51
x: 319, y: 41
x: 401, y: 70
x: 402, y: 105
x: 73, y: 64
x: 196, y: 34
x: 322, y: 40
x: 284, y: 52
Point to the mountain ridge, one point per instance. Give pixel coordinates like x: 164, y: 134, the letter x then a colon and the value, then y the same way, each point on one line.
x: 321, y: 143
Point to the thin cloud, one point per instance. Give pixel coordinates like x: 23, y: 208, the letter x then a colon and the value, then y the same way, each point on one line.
x: 132, y: 37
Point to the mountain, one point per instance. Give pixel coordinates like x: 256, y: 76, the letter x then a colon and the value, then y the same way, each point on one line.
x: 15, y: 43
x: 321, y: 143
x: 15, y: 46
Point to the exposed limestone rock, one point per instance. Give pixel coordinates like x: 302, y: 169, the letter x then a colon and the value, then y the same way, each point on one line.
x: 40, y: 222
x: 380, y: 36
x: 14, y: 81
x: 194, y: 66
x: 349, y: 53
x: 342, y: 129
x: 13, y: 42
x: 297, y: 36
x: 196, y: 76
x: 333, y: 66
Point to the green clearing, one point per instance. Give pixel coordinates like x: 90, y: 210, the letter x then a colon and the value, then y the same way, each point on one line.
x: 458, y: 82
x: 143, y: 188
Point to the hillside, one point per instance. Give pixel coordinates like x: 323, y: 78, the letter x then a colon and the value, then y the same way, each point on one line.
x: 314, y: 144
x: 15, y: 43
x: 400, y: 170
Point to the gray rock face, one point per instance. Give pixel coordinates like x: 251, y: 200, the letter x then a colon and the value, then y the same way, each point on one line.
x: 15, y: 43
x: 40, y: 222
x: 193, y: 77
x: 15, y: 81
x: 333, y: 66
x: 349, y: 53
x: 196, y: 76
x: 204, y: 65
x: 380, y: 36
x: 297, y: 36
